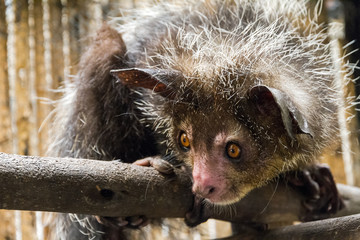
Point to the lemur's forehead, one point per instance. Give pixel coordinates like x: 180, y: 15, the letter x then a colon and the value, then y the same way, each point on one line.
x: 210, y: 129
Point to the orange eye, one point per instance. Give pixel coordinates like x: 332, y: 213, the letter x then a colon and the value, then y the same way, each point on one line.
x: 233, y: 150
x: 184, y: 141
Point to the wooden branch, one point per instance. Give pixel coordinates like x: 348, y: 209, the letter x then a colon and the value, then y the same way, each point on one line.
x: 117, y: 189
x: 334, y: 228
x: 107, y: 188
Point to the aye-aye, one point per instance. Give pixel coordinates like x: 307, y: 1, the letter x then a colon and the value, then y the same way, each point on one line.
x: 240, y: 91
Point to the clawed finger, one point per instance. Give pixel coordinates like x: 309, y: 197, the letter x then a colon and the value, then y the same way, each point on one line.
x: 159, y: 164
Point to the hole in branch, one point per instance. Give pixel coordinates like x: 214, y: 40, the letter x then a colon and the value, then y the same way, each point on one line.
x: 107, y: 194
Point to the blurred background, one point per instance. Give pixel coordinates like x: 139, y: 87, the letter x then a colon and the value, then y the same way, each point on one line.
x: 41, y: 42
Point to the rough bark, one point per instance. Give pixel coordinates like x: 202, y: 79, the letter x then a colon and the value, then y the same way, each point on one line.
x: 104, y: 188
x: 335, y: 229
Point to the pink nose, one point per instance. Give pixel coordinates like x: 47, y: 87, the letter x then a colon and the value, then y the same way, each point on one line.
x: 205, y: 191
x: 204, y: 184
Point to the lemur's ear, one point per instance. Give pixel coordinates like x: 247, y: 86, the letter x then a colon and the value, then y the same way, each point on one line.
x: 274, y: 103
x: 155, y: 80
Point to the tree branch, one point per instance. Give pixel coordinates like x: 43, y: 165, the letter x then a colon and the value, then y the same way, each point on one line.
x: 111, y: 188
x: 340, y: 228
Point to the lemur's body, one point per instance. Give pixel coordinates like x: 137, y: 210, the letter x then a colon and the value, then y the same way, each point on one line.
x: 242, y: 91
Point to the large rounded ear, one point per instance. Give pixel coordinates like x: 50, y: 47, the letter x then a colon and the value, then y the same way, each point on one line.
x: 274, y: 103
x: 158, y: 81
